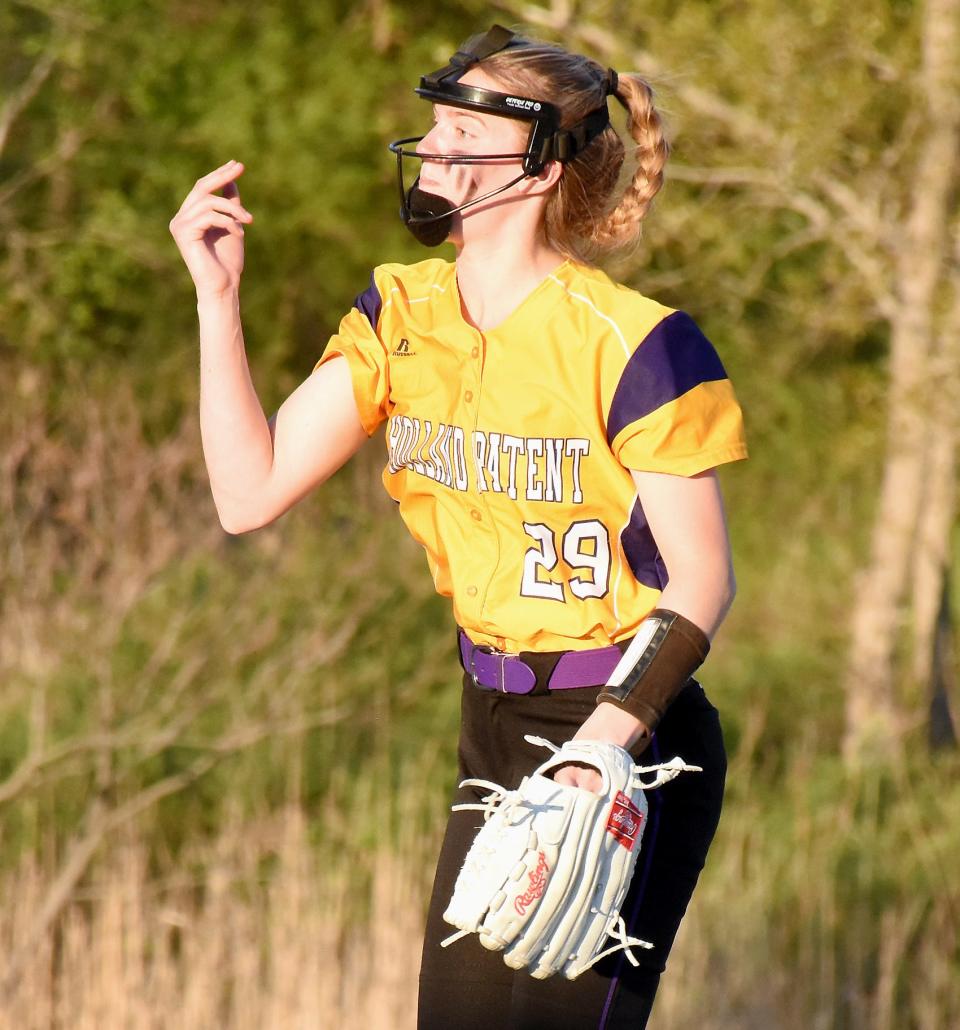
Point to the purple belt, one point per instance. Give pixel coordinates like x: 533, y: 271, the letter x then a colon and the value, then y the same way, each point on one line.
x: 496, y: 670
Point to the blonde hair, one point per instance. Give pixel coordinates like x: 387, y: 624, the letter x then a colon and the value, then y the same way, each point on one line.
x: 584, y: 218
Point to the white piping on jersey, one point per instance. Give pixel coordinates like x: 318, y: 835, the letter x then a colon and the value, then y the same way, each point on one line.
x: 620, y: 556
x: 413, y: 300
x: 636, y: 495
x: 596, y: 311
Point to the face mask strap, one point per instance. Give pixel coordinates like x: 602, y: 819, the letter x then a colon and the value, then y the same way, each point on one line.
x: 569, y: 142
x: 491, y: 42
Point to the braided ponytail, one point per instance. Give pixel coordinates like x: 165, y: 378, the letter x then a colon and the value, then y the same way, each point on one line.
x: 585, y: 217
x: 622, y: 224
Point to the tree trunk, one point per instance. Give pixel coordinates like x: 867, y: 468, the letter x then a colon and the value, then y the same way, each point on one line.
x: 873, y: 724
x: 943, y: 690
x: 939, y: 512
x: 934, y: 632
x: 932, y: 558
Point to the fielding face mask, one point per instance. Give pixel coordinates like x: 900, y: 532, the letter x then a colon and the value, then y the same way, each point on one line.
x: 430, y: 217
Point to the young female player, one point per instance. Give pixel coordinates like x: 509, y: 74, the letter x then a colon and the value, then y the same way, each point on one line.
x: 551, y: 443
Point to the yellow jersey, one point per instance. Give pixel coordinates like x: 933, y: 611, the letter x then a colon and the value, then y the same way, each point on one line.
x: 509, y: 449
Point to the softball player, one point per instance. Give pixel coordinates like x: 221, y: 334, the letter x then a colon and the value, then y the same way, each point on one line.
x: 551, y: 439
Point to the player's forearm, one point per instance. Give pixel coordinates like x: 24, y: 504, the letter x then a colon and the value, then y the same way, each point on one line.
x: 607, y: 722
x: 702, y: 593
x: 237, y: 444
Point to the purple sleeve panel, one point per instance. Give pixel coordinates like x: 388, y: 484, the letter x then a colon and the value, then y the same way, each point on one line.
x: 641, y: 550
x: 673, y: 358
x: 369, y: 303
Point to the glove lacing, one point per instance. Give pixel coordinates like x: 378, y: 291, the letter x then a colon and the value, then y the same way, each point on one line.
x: 666, y: 771
x: 488, y: 805
x: 510, y: 800
x: 624, y: 943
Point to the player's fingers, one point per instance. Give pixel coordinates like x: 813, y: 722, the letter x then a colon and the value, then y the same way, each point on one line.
x: 228, y: 206
x: 196, y: 217
x: 226, y: 222
x: 565, y: 777
x: 219, y: 177
x: 197, y: 196
x: 589, y: 779
x: 582, y: 776
x: 216, y: 179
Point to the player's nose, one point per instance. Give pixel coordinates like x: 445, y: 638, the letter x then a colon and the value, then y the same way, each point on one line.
x: 429, y: 144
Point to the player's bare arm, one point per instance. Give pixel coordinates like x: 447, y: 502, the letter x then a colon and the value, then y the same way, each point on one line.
x: 687, y: 518
x: 315, y: 432
x: 686, y: 515
x: 258, y: 468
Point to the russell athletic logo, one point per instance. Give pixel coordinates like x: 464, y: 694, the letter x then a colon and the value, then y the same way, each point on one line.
x: 625, y: 820
x: 402, y: 350
x: 537, y: 881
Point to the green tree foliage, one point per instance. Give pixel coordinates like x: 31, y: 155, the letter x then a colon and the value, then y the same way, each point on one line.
x: 141, y: 100
x: 140, y: 650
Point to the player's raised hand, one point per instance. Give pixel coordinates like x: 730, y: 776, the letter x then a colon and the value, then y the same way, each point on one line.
x: 208, y: 230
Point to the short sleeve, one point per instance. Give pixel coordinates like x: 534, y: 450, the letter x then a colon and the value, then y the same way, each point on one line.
x: 358, y: 340
x: 674, y: 409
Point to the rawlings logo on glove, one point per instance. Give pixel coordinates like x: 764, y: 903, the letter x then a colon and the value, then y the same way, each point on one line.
x: 625, y: 820
x: 548, y: 871
x: 538, y: 880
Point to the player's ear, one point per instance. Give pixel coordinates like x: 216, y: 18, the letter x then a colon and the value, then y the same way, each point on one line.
x: 544, y: 181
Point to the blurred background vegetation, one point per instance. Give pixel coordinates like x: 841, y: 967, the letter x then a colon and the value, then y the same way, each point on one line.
x: 224, y: 761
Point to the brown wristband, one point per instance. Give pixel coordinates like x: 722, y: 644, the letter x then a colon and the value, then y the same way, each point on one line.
x: 677, y: 648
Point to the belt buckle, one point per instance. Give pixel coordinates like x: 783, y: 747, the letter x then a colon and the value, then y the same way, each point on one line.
x: 487, y: 649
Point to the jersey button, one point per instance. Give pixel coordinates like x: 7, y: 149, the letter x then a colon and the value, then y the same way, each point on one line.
x: 471, y: 591
x: 475, y: 515
x: 468, y: 396
x: 475, y: 353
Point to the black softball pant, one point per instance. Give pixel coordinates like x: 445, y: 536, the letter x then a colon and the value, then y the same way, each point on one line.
x: 466, y: 987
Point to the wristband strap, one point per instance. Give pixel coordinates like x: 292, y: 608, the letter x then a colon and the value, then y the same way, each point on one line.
x: 671, y: 648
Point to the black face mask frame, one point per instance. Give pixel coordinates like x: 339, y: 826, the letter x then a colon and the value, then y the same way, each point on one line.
x: 430, y: 217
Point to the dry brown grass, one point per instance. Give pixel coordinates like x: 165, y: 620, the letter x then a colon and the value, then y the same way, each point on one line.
x: 142, y: 653
x: 265, y: 929
x: 236, y: 950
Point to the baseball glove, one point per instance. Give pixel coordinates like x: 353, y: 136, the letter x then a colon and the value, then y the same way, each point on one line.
x: 548, y: 871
